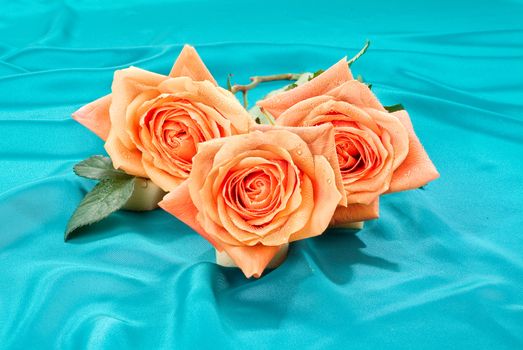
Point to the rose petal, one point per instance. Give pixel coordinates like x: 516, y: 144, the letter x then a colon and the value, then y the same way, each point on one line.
x: 128, y: 160
x: 297, y: 114
x: 298, y: 222
x: 251, y: 260
x: 286, y: 140
x: 161, y: 178
x: 133, y: 117
x: 202, y: 165
x: 417, y: 169
x: 304, y: 113
x: 207, y: 93
x: 276, y: 192
x: 235, y: 230
x: 356, y: 93
x: 326, y: 199
x: 213, y: 182
x: 326, y: 81
x: 320, y: 140
x: 179, y: 203
x: 375, y: 179
x: 95, y: 116
x: 397, y: 131
x: 127, y: 84
x: 355, y: 212
x: 189, y: 64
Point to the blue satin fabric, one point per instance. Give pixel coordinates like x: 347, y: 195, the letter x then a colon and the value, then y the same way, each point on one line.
x: 441, y: 269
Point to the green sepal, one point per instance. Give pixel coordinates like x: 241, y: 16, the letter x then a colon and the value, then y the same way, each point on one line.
x: 291, y: 86
x: 315, y: 74
x: 394, y: 108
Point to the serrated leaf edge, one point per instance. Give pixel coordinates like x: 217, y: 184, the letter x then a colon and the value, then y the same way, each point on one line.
x: 110, y: 171
x: 71, y: 228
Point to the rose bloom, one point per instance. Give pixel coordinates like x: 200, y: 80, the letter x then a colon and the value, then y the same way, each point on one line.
x: 250, y: 194
x: 153, y: 123
x: 378, y: 152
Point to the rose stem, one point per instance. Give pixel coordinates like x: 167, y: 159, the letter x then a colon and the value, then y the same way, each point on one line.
x: 257, y: 79
x: 359, y: 54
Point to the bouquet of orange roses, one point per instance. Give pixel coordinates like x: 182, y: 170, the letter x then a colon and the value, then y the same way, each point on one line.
x: 317, y: 153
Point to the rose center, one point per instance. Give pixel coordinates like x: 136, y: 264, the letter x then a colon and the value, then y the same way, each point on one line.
x: 254, y: 192
x: 349, y: 151
x: 178, y: 140
x: 256, y: 185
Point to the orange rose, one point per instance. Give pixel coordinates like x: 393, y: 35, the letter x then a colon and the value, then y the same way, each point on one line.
x: 250, y: 194
x: 153, y: 123
x: 378, y: 151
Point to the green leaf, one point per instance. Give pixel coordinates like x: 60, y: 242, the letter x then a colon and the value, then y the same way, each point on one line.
x: 291, y: 86
x: 394, y: 108
x: 98, y: 168
x: 315, y: 74
x: 107, y: 196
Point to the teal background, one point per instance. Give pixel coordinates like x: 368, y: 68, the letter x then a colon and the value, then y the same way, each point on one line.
x: 441, y: 269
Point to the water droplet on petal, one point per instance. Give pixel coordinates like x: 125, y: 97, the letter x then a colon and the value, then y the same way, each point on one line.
x: 329, y: 181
